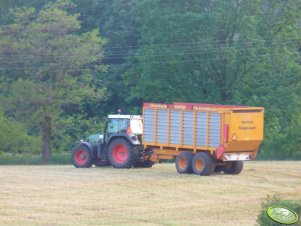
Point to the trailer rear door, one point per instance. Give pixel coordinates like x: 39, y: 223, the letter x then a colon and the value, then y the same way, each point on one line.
x: 245, y: 129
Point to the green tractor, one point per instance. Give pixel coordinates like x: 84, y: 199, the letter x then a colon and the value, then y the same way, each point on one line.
x: 119, y: 146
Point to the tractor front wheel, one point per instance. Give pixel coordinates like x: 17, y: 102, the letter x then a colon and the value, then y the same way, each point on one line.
x: 122, y: 154
x: 81, y: 157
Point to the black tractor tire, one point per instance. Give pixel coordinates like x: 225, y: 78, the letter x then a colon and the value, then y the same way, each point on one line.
x: 203, y: 164
x: 184, y: 162
x: 82, y: 157
x: 100, y: 163
x: 122, y: 154
x: 233, y: 167
x: 139, y: 149
x: 218, y: 168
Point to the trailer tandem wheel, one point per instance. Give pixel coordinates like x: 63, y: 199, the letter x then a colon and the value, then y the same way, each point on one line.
x: 218, y: 169
x: 233, y: 167
x: 184, y: 162
x: 203, y: 164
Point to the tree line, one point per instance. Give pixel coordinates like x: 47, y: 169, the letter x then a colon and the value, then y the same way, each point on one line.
x: 65, y: 65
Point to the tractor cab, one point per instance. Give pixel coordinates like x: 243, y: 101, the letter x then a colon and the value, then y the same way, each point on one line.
x: 119, y: 125
x: 129, y: 124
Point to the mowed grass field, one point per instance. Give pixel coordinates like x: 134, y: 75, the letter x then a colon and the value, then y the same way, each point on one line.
x: 64, y: 195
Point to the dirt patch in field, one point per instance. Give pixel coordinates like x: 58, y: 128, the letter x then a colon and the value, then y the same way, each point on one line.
x: 64, y: 195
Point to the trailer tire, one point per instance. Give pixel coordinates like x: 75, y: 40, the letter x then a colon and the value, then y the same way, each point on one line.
x: 122, y: 154
x: 81, y: 157
x: 233, y: 167
x: 218, y: 169
x: 203, y: 164
x: 184, y: 162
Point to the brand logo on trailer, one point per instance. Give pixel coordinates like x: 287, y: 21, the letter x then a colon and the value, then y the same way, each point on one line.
x: 158, y: 105
x: 182, y: 107
x: 200, y: 108
x: 282, y: 215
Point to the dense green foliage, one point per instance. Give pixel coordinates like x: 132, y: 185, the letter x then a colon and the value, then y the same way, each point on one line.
x: 14, y: 138
x: 48, y: 67
x: 52, y: 57
x: 275, y: 200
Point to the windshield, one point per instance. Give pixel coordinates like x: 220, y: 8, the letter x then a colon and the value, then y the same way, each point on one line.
x: 118, y: 125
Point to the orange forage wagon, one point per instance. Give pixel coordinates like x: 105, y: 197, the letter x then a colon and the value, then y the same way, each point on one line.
x: 203, y: 138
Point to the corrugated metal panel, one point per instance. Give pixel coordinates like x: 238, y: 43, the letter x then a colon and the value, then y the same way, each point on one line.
x: 149, y: 125
x: 162, y: 126
x: 215, y: 125
x: 175, y: 127
x: 188, y: 128
x: 201, y: 129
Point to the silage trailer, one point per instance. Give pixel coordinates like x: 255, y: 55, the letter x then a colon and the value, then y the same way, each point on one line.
x: 202, y: 138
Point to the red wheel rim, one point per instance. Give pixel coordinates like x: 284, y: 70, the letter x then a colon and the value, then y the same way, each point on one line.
x: 81, y: 157
x: 120, y: 153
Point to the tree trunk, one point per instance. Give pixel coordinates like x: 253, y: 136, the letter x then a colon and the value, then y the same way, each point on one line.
x: 46, y: 127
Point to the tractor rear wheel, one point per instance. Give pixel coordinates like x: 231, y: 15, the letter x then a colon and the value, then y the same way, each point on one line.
x: 203, y: 164
x: 233, y: 167
x: 81, y: 157
x: 122, y: 154
x: 184, y: 162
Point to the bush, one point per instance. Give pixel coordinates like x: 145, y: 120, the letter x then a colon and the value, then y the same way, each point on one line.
x: 70, y: 130
x: 270, y: 201
x: 284, y: 144
x: 14, y: 137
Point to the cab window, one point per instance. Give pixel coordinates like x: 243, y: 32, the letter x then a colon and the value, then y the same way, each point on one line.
x: 118, y: 125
